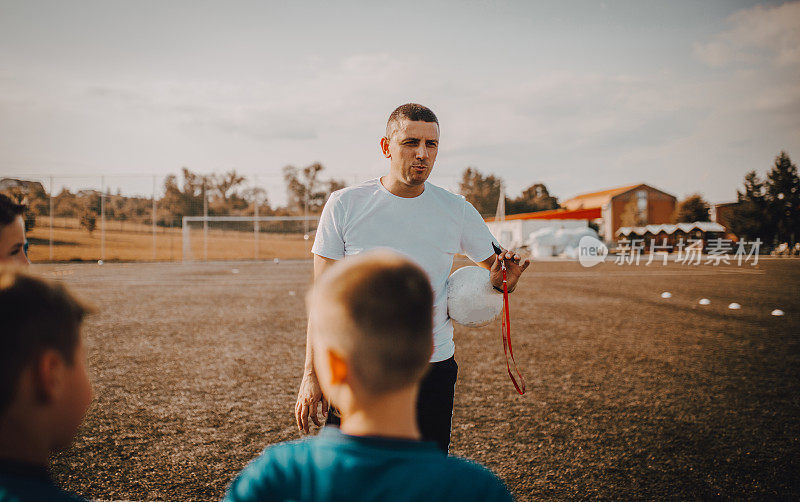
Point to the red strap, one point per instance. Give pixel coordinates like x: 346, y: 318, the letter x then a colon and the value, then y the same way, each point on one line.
x: 506, y: 333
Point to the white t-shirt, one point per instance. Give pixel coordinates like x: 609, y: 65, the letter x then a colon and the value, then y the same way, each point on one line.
x: 430, y: 229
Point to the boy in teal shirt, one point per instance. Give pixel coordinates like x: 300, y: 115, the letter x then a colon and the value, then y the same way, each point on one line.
x: 371, y: 322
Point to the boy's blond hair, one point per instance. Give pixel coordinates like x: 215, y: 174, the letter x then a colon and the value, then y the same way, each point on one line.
x: 377, y: 309
x: 35, y: 315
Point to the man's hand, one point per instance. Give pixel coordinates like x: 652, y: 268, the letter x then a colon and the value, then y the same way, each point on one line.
x: 308, y: 399
x: 514, y: 269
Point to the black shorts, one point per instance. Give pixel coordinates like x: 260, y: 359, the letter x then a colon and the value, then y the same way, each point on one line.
x: 434, y: 403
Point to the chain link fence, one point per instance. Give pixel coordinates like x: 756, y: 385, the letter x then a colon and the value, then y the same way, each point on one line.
x: 141, y: 217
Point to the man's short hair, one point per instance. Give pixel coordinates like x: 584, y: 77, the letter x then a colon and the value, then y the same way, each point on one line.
x: 409, y: 111
x: 9, y: 210
x: 379, y: 312
x: 35, y: 315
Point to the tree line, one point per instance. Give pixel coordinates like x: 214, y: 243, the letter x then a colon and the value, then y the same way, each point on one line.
x: 483, y: 192
x: 190, y: 194
x: 768, y: 208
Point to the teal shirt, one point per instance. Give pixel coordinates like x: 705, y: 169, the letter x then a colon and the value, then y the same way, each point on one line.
x: 337, y: 467
x: 21, y: 482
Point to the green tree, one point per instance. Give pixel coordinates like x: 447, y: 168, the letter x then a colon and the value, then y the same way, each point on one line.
x: 304, y: 187
x: 783, y: 199
x: 89, y: 221
x: 66, y: 203
x: 184, y: 199
x: 91, y: 209
x: 481, y: 191
x: 692, y: 208
x: 226, y: 184
x: 750, y: 218
x: 534, y: 198
x: 256, y: 195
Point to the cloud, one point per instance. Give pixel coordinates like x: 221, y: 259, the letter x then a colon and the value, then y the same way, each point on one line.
x: 758, y: 34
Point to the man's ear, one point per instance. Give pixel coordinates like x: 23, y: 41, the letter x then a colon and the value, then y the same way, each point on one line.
x: 338, y: 367
x: 385, y: 147
x: 48, y: 375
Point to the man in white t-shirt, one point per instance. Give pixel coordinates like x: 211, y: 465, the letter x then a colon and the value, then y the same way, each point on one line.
x: 430, y: 225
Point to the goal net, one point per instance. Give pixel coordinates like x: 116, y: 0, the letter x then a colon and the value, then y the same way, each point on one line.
x: 248, y: 237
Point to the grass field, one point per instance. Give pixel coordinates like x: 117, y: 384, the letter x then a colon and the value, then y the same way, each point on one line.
x: 630, y: 396
x: 128, y: 241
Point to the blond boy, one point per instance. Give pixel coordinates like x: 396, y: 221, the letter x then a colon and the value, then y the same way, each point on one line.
x: 371, y: 324
x: 44, y: 387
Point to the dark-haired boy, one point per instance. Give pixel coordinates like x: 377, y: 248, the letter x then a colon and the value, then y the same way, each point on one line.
x: 13, y: 244
x: 371, y: 324
x: 44, y: 387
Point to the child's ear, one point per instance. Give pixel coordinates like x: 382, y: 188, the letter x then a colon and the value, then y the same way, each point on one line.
x: 338, y: 367
x: 48, y: 375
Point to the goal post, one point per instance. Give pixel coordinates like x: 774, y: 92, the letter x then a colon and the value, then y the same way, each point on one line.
x: 247, y: 237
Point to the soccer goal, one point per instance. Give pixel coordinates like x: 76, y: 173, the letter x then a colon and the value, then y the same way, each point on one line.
x: 247, y: 237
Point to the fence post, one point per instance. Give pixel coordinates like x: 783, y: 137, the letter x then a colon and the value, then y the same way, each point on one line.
x: 256, y: 224
x: 154, y: 217
x: 51, y: 218
x: 102, y: 218
x: 205, y: 221
x: 186, y: 254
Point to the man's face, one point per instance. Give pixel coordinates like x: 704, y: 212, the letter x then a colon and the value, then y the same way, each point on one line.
x: 12, y: 243
x: 412, y: 150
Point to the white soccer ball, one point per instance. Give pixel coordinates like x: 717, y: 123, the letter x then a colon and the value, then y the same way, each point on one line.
x: 666, y: 294
x: 471, y: 299
x: 734, y: 306
x: 704, y: 301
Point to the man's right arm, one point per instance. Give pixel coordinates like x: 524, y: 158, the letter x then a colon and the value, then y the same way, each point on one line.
x: 310, y: 394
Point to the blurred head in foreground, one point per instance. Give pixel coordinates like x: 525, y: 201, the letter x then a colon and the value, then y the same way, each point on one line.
x: 371, y: 325
x: 44, y: 387
x: 12, y: 232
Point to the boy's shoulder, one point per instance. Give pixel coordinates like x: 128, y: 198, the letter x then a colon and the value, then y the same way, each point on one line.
x: 334, y: 466
x: 275, y: 470
x: 475, y: 481
x: 22, y: 483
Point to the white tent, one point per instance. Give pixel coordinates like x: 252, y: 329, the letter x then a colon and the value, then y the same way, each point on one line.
x: 550, y: 241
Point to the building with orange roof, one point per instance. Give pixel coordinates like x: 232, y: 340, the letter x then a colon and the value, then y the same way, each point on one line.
x: 626, y: 206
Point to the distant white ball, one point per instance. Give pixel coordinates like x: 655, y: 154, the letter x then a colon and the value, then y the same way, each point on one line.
x: 471, y: 299
x: 276, y: 260
x: 778, y: 312
x: 305, y: 237
x: 99, y: 262
x: 704, y: 301
x: 666, y: 294
x: 734, y: 306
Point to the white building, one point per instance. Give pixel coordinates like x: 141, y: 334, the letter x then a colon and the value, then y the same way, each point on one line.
x: 514, y: 230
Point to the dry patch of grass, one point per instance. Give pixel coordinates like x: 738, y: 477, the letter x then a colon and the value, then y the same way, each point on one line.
x: 125, y: 241
x: 630, y: 397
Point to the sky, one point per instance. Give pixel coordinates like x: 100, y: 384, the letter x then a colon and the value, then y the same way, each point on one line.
x: 581, y: 96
